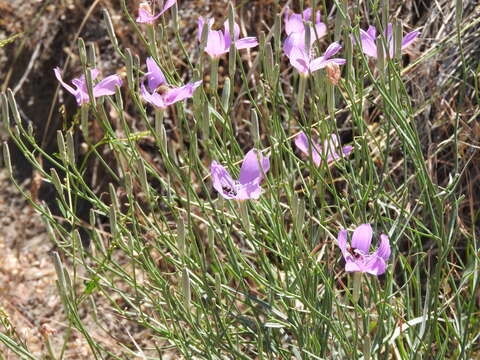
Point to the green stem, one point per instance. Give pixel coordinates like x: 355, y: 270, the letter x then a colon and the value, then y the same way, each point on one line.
x: 357, y: 282
x: 214, y: 75
x: 301, y: 91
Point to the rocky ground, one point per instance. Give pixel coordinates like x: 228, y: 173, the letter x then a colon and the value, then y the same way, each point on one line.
x: 29, y: 302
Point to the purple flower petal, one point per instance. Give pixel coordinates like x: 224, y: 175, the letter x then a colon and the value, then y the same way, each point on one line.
x: 93, y: 73
x: 145, y: 17
x: 82, y: 97
x: 215, y: 44
x: 372, y: 32
x: 107, y: 86
x: 167, y: 6
x: 332, y: 49
x: 154, y: 99
x: 307, y: 14
x: 104, y: 87
x: 368, y: 44
x: 293, y: 23
x: 154, y: 75
x: 322, y: 61
x: 409, y: 39
x: 374, y: 266
x: 251, y: 190
x: 58, y: 75
x: 389, y: 32
x: 299, y: 60
x: 347, y: 150
x: 362, y: 238
x: 383, y: 250
x: 338, y: 61
x: 250, y: 170
x: 181, y: 93
x: 342, y: 242
x: 246, y: 43
x: 222, y: 181
x: 319, y: 31
x: 352, y: 266
x: 201, y: 22
x: 318, y: 63
x: 236, y: 33
x: 301, y: 141
x: 329, y: 148
x: 294, y: 40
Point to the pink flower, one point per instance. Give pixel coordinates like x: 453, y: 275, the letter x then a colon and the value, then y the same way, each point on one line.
x: 306, y: 64
x: 104, y: 87
x: 369, y: 40
x: 328, y: 151
x: 248, y: 185
x: 357, y: 256
x: 159, y: 94
x: 145, y: 15
x: 296, y: 29
x: 218, y: 42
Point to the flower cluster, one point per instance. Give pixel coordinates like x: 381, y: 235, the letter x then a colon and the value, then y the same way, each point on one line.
x: 299, y: 49
x: 303, y: 32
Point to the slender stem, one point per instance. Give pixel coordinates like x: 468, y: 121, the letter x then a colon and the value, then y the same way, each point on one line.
x: 357, y: 282
x: 301, y: 91
x: 214, y: 75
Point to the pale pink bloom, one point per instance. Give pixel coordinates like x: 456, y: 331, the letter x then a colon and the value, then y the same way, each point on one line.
x: 80, y: 91
x: 145, y: 15
x: 305, y: 63
x: 369, y: 40
x: 326, y: 152
x: 357, y: 255
x: 218, y: 42
x: 248, y: 184
x: 296, y: 29
x: 159, y: 93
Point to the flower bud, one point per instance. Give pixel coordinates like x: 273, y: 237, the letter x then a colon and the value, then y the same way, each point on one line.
x: 333, y: 73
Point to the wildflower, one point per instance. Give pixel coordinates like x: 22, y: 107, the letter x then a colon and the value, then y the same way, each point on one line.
x: 369, y: 40
x: 328, y: 150
x: 145, y: 15
x: 159, y: 94
x: 104, y: 87
x: 305, y: 63
x: 248, y: 184
x: 296, y: 29
x: 218, y: 42
x: 357, y: 256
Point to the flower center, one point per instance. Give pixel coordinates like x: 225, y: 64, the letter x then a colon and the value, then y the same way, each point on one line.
x: 162, y: 89
x: 357, y: 254
x: 229, y: 190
